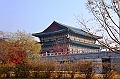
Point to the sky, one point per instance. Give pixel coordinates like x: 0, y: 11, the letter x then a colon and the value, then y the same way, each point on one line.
x: 34, y: 16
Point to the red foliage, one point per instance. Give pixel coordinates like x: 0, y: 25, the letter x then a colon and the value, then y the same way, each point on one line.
x: 16, y: 55
x: 15, y: 58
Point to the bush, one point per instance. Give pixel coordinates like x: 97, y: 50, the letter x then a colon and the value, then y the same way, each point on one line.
x: 5, y: 70
x: 22, y: 70
x: 41, y: 75
x: 110, y: 75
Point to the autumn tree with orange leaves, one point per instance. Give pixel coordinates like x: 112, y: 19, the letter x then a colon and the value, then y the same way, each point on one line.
x: 19, y: 47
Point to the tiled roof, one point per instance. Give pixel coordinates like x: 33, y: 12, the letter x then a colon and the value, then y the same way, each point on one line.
x: 48, y: 33
x: 80, y: 31
x: 68, y: 28
x: 85, y: 44
x: 77, y: 30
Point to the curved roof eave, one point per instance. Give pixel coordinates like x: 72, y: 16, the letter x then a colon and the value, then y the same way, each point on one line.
x: 85, y: 44
x: 48, y: 33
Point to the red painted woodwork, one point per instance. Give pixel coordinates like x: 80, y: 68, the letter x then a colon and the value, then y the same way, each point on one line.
x: 53, y: 27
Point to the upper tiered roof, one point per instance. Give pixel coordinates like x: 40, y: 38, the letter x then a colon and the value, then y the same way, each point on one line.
x: 57, y: 27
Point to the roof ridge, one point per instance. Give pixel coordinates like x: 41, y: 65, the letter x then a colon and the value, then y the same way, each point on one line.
x: 69, y: 26
x: 60, y: 24
x: 66, y: 25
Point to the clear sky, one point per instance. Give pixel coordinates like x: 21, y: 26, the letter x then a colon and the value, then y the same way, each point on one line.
x: 35, y: 15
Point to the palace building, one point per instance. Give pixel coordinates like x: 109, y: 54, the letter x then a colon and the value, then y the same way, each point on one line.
x: 59, y: 38
x: 63, y: 43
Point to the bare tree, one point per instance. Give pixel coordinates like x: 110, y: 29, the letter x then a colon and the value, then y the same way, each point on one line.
x: 106, y: 13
